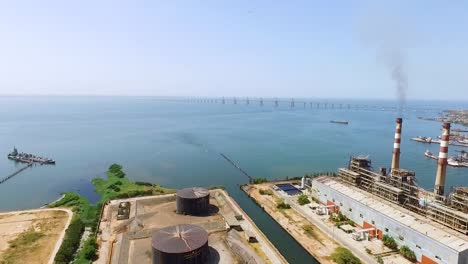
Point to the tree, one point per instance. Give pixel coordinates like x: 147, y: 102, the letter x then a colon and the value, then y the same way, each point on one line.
x: 303, y: 199
x: 90, y: 248
x: 114, y: 168
x: 120, y: 174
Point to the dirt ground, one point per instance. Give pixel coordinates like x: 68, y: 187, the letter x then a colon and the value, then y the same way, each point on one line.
x: 318, y: 244
x: 34, y: 235
x: 129, y: 241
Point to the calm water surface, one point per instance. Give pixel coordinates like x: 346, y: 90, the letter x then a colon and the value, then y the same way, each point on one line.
x: 177, y: 145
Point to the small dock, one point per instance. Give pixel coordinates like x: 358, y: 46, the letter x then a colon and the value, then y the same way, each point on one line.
x: 29, y: 159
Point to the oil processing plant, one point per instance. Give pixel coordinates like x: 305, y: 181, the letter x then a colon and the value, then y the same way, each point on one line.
x: 433, y: 224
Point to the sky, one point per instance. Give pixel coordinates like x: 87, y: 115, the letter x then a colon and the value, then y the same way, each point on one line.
x: 331, y: 49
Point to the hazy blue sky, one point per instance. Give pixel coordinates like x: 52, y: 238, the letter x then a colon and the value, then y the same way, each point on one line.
x: 241, y: 48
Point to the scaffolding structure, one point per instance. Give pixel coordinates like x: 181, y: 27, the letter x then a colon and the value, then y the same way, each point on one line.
x: 400, y: 188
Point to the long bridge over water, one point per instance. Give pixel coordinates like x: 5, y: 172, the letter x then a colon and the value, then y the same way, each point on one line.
x: 300, y: 103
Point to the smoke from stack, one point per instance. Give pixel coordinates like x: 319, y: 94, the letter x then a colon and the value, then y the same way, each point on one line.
x: 396, y: 64
x: 388, y: 34
x: 396, y: 144
x: 442, y: 162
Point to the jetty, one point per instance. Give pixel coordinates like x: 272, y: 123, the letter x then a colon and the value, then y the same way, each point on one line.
x: 237, y: 166
x: 421, y: 139
x: 27, y: 158
x: 15, y: 173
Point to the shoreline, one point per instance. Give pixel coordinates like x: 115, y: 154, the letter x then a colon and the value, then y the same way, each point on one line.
x: 54, y: 201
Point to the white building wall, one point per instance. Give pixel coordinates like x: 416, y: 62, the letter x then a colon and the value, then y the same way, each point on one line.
x: 419, y: 243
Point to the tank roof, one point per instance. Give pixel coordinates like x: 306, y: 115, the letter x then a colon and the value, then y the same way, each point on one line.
x: 193, y: 193
x: 179, y: 238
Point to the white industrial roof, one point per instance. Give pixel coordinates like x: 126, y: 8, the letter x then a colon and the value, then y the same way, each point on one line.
x: 452, y: 239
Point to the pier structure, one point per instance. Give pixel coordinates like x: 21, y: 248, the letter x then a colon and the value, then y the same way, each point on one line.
x: 27, y: 158
x: 15, y: 173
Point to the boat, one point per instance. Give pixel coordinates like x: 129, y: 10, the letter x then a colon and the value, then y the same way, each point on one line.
x: 339, y: 122
x: 28, y: 158
x: 424, y: 139
x: 429, y: 154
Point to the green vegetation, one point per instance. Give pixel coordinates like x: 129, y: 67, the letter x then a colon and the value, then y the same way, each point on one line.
x: 83, y: 210
x: 213, y: 187
x: 282, y: 205
x: 20, y: 245
x: 390, y: 242
x: 71, y: 242
x: 344, y: 256
x: 321, y: 173
x: 406, y: 252
x: 338, y: 218
x: 259, y: 180
x: 88, y: 253
x: 116, y: 187
x: 265, y: 192
x: 87, y: 215
x: 310, y: 231
x: 303, y: 199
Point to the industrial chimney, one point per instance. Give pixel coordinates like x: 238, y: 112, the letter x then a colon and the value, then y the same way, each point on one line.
x: 396, y: 145
x: 442, y: 162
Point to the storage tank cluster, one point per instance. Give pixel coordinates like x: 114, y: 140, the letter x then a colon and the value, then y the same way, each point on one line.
x: 193, y: 201
x: 180, y: 244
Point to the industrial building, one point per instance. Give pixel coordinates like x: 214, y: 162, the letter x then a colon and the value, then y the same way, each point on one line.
x: 180, y: 244
x: 193, y: 201
x: 432, y: 224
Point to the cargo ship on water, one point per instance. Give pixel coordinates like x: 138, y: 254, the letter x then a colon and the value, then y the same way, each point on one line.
x: 339, y: 122
x: 28, y: 158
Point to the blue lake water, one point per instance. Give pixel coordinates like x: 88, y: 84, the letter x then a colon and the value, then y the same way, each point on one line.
x: 177, y: 144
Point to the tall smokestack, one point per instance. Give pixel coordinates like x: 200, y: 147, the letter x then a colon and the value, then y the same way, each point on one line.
x: 396, y: 144
x: 442, y: 162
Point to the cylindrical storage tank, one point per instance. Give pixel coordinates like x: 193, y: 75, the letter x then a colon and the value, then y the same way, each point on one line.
x: 180, y: 244
x: 193, y: 201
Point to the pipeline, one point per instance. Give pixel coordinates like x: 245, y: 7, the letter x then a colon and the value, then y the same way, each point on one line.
x: 15, y: 173
x: 235, y: 165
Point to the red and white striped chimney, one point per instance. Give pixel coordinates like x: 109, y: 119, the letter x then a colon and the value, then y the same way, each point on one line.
x: 396, y: 144
x: 442, y: 162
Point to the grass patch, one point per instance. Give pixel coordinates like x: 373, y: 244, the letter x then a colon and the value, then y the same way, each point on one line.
x: 265, y: 192
x: 115, y: 187
x: 310, y: 232
x: 344, y: 256
x: 259, y: 180
x: 21, y: 245
x: 280, y: 204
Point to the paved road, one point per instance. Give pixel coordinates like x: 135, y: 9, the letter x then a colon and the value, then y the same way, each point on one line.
x: 341, y: 237
x: 62, y: 234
